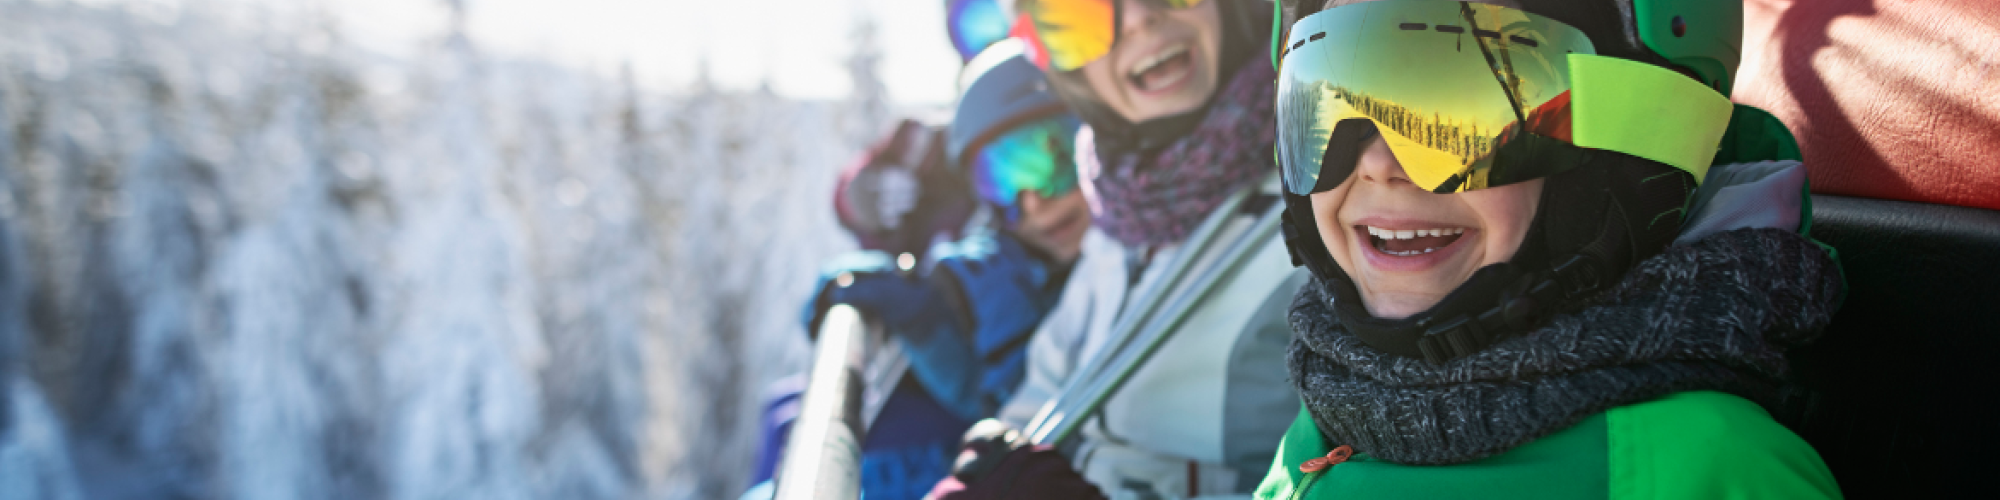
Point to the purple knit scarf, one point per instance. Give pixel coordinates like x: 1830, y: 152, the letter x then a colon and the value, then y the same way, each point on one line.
x: 1147, y: 198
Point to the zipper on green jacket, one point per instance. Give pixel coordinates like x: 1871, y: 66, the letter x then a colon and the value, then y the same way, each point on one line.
x: 1306, y: 484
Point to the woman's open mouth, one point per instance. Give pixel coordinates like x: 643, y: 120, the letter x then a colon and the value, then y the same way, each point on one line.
x: 1409, y: 250
x: 1162, y: 71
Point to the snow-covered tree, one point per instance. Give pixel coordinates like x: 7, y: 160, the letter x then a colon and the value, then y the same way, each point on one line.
x: 249, y: 260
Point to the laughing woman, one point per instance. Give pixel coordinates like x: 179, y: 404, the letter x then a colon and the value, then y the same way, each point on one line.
x: 1177, y: 100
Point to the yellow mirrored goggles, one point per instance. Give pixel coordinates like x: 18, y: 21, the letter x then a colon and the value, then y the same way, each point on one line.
x: 1470, y: 95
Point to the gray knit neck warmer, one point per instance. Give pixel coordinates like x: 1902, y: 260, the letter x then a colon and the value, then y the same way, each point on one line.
x: 1716, y: 314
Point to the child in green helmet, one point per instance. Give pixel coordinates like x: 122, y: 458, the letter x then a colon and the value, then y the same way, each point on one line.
x: 1533, y: 275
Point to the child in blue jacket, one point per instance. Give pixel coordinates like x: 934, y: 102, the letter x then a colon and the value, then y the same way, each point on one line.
x: 963, y: 312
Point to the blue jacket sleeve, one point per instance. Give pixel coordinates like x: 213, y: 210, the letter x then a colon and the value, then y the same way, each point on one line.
x: 1006, y: 290
x: 965, y: 322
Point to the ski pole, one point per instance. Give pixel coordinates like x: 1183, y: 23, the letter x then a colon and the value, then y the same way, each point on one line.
x: 1060, y: 418
x: 1128, y: 323
x: 822, y: 457
x: 1177, y: 268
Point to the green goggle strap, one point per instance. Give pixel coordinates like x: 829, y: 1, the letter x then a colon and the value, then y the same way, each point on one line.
x: 1277, y: 30
x: 1646, y: 111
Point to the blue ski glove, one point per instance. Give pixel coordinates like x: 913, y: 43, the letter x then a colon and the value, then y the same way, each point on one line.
x: 871, y: 281
x: 917, y: 310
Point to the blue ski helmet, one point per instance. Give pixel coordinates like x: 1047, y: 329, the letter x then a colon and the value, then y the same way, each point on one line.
x: 1010, y: 134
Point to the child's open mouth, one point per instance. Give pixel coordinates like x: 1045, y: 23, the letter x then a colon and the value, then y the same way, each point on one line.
x: 1411, y: 242
x: 1162, y: 70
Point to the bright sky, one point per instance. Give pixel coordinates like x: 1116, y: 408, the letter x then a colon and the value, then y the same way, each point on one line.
x: 798, y: 46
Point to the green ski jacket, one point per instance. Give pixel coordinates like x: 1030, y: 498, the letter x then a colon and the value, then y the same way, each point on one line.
x: 1690, y: 445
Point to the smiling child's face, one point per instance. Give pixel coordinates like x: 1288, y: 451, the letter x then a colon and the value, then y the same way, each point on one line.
x: 1164, y: 63
x: 1054, y: 225
x: 1406, y: 247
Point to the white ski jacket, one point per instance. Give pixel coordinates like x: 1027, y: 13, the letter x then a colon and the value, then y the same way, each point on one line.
x: 1204, y: 415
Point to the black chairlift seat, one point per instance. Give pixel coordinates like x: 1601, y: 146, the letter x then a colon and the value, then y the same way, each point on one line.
x: 1904, y: 388
x: 1893, y: 105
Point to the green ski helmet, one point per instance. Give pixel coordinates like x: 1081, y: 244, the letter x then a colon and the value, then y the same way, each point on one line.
x: 1620, y: 105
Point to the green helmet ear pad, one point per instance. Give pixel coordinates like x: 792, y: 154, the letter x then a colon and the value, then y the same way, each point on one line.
x: 1705, y: 36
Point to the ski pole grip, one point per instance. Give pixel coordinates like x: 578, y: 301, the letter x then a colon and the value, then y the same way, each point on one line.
x: 822, y: 457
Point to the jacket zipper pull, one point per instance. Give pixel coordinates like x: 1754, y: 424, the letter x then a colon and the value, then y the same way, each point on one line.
x: 1332, y: 458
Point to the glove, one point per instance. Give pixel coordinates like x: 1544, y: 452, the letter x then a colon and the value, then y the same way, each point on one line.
x: 899, y: 195
x: 873, y: 283
x: 994, y: 467
x: 915, y: 310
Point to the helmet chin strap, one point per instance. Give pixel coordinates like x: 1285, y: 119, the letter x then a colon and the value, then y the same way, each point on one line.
x: 1410, y: 337
x: 1497, y: 302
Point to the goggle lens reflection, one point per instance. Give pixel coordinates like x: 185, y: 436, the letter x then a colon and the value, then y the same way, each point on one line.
x: 1466, y: 95
x: 1075, y: 32
x: 1038, y: 157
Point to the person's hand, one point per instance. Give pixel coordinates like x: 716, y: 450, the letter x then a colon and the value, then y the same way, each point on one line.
x: 882, y: 288
x: 916, y: 310
x: 995, y: 466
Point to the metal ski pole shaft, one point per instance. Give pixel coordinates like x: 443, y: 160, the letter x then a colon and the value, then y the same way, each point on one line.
x: 1069, y: 410
x: 1122, y: 332
x: 822, y: 457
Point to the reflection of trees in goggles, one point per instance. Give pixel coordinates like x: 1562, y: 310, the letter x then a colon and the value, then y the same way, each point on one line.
x: 1434, y: 101
x: 1528, y: 98
x: 1038, y: 156
x: 1075, y: 32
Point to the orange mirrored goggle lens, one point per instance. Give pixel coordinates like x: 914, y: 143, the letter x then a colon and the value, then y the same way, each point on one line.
x: 1073, y: 33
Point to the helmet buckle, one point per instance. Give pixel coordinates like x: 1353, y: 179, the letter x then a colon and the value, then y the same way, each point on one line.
x: 1436, y: 350
x: 1455, y: 339
x: 1578, y: 276
x: 1519, y: 311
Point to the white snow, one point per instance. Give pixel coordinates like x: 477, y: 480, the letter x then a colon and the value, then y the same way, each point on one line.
x: 243, y: 257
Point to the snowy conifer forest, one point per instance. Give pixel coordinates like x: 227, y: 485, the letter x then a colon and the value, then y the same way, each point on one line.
x: 252, y: 260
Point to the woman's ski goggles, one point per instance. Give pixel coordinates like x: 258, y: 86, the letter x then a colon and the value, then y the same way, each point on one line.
x: 1072, y: 33
x: 1039, y: 156
x: 1470, y: 96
